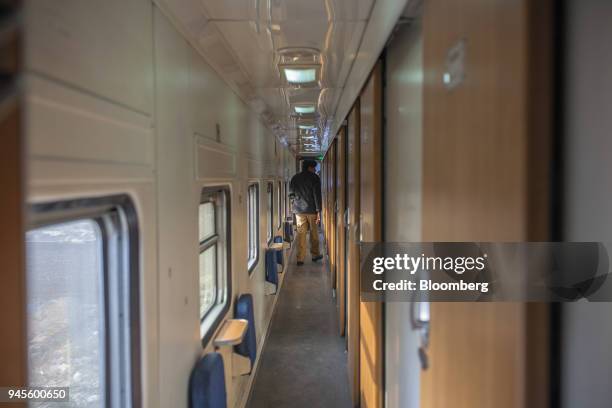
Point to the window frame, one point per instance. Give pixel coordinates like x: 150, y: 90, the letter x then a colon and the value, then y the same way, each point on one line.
x: 117, y: 220
x: 270, y: 216
x: 287, y: 201
x: 223, y: 241
x: 279, y: 202
x: 253, y: 248
x: 204, y: 245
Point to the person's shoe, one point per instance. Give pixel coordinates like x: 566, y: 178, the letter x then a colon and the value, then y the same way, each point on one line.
x: 300, y: 263
x: 317, y: 258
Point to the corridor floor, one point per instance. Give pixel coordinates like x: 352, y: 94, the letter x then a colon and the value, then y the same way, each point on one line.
x: 303, y: 362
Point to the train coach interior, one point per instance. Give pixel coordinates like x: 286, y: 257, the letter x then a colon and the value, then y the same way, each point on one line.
x: 148, y: 240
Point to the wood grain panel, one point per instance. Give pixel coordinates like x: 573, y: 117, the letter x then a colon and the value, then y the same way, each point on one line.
x: 341, y: 230
x: 13, y: 342
x: 12, y: 279
x: 486, y: 149
x: 370, y: 226
x: 324, y: 184
x: 352, y: 265
x: 332, y: 214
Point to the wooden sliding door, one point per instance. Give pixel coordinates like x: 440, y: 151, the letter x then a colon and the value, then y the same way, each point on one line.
x: 340, y: 229
x: 486, y: 141
x: 331, y: 242
x: 353, y: 175
x: 370, y: 227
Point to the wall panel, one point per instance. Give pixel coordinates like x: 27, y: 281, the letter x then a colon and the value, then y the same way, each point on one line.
x: 103, y: 48
x: 215, y: 160
x: 96, y: 71
x: 72, y: 125
x: 178, y: 200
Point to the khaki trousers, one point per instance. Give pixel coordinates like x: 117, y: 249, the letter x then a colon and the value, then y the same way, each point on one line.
x: 305, y: 223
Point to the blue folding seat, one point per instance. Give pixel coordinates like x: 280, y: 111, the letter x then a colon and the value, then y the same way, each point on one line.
x: 271, y: 266
x: 279, y: 252
x: 288, y: 231
x: 244, y: 310
x: 207, y: 383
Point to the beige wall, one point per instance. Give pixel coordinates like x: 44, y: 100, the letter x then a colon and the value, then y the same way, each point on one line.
x: 118, y: 101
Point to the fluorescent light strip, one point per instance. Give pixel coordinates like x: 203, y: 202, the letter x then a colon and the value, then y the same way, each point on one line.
x: 304, y: 109
x: 300, y: 75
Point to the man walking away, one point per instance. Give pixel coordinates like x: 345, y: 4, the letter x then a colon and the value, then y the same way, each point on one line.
x: 305, y: 193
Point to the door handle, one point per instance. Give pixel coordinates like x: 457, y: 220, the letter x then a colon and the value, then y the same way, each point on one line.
x: 421, y: 322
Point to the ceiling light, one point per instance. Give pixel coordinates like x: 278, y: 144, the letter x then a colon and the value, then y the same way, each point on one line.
x: 304, y: 109
x: 300, y: 75
x: 306, y: 127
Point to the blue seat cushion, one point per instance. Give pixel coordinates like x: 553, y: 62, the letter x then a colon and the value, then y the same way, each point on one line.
x: 207, y: 383
x: 271, y: 266
x: 288, y: 230
x: 244, y: 310
x: 279, y: 252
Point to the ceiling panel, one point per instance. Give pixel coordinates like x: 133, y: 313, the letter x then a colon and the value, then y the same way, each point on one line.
x: 253, y: 50
x: 276, y: 11
x: 241, y: 39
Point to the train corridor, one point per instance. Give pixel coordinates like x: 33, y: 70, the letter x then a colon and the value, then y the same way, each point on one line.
x: 303, y: 363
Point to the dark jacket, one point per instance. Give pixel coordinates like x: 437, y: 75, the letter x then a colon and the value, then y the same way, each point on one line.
x: 305, y: 190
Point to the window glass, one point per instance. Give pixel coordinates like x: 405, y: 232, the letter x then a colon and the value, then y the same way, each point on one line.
x: 287, y: 201
x: 279, y: 209
x: 65, y: 310
x: 208, y: 279
x: 253, y: 225
x: 270, y: 211
x: 207, y: 220
x: 214, y: 266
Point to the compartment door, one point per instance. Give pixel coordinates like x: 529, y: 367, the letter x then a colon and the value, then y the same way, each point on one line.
x: 370, y: 228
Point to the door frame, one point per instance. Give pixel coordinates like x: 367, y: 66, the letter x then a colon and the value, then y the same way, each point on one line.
x: 340, y: 229
x: 371, y: 321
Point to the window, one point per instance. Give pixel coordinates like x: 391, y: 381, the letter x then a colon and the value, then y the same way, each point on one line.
x: 287, y: 200
x: 214, y: 266
x: 279, y: 207
x: 253, y: 225
x: 270, y: 211
x: 82, y: 300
